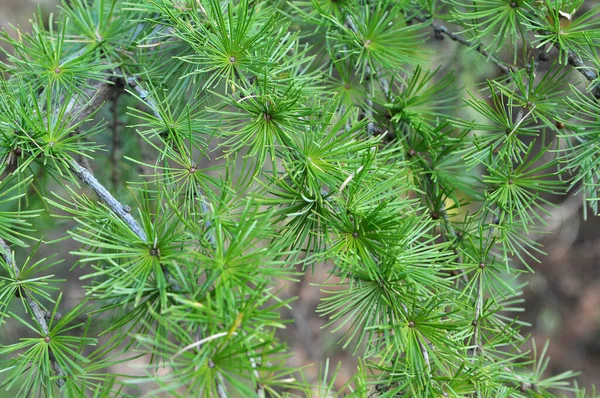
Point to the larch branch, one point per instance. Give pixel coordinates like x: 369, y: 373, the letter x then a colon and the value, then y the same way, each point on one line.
x: 37, y: 311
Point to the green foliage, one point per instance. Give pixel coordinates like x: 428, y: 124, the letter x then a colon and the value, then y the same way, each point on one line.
x: 253, y: 142
x: 495, y: 23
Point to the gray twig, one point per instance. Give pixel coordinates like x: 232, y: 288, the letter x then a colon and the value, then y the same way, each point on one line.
x: 89, y: 179
x: 144, y: 96
x: 476, y: 328
x: 442, y: 30
x: 589, y: 73
x: 37, y: 311
x: 221, y: 386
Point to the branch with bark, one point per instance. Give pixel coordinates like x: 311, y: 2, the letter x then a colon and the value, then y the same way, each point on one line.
x: 589, y: 73
x: 440, y: 31
x: 38, y: 313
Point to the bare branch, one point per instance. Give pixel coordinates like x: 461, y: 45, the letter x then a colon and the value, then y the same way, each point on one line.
x: 589, y: 73
x: 89, y: 179
x: 221, y: 386
x: 425, y: 354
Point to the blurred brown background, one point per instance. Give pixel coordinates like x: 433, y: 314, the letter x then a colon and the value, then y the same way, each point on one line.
x: 18, y: 12
x: 562, y: 298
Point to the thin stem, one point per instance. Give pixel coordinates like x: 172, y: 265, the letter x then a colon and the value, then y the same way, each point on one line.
x: 151, y: 104
x: 476, y: 329
x: 207, y: 225
x: 425, y: 354
x: 371, y: 128
x: 589, y: 73
x: 520, y: 119
x: 89, y: 179
x: 144, y: 95
x: 116, y: 142
x: 421, y: 345
x: 450, y: 229
x: 221, y: 386
x: 441, y: 30
x: 260, y: 391
x: 37, y: 311
x: 11, y: 162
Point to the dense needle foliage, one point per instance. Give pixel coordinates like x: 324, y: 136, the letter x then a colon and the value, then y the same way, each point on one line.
x: 197, y: 155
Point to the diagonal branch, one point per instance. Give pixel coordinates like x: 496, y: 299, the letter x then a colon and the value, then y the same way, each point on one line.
x: 98, y: 93
x: 573, y: 57
x: 37, y: 311
x: 441, y: 30
x: 589, y: 73
x: 575, y: 60
x: 88, y: 178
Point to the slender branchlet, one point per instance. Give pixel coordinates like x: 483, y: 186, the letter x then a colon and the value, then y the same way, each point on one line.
x: 119, y: 209
x: 38, y: 314
x: 441, y: 30
x: 589, y: 73
x: 334, y: 154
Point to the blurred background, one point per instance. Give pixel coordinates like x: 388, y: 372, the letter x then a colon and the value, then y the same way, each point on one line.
x: 562, y: 299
